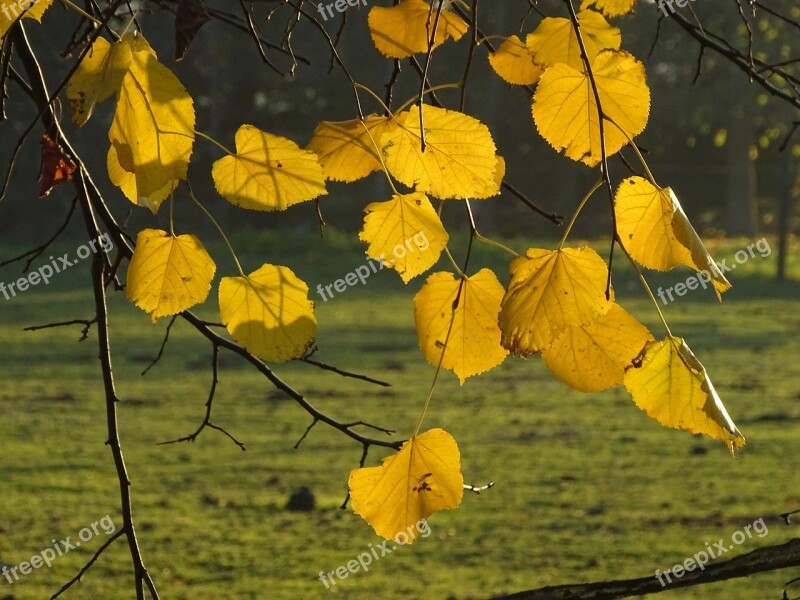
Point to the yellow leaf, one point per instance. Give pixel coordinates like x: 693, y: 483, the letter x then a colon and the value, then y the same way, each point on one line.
x: 268, y: 172
x: 594, y: 357
x: 153, y: 127
x: 405, y: 233
x: 550, y: 291
x: 422, y: 478
x: 513, y: 62
x: 404, y: 30
x: 554, y: 40
x: 459, y: 160
x: 269, y: 313
x: 98, y: 77
x: 672, y: 387
x: 474, y: 343
x: 346, y: 151
x: 657, y: 233
x: 126, y: 181
x: 565, y: 110
x: 11, y: 12
x: 168, y: 274
x: 611, y: 8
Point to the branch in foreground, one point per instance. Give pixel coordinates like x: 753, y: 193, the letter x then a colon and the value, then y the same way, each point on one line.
x: 770, y: 558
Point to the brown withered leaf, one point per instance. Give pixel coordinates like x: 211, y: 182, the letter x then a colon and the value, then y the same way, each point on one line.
x: 57, y: 167
x: 190, y: 17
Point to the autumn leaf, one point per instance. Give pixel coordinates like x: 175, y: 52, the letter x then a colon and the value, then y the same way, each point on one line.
x: 554, y: 40
x: 168, y: 274
x: 550, y: 291
x: 565, y: 111
x: 11, y: 12
x: 657, y: 233
x: 57, y: 167
x: 405, y: 233
x: 98, y: 77
x: 190, y: 17
x: 459, y: 160
x: 269, y: 313
x: 153, y: 127
x: 126, y: 182
x: 346, y: 150
x: 611, y: 8
x: 594, y: 357
x: 268, y: 172
x: 473, y: 346
x: 421, y: 479
x: 672, y: 387
x: 513, y: 62
x: 405, y: 29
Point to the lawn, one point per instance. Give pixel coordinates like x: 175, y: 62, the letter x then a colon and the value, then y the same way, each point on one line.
x: 586, y: 486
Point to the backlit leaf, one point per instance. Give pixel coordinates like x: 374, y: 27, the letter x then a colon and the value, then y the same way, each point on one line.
x: 269, y: 313
x: 474, y: 343
x: 565, y: 110
x: 672, y: 386
x: 98, y: 77
x: 268, y: 172
x: 405, y: 233
x: 404, y: 30
x: 126, y: 181
x: 513, y: 62
x: 422, y: 478
x: 168, y: 274
x: 550, y: 291
x: 346, y: 151
x: 594, y: 357
x: 611, y: 8
x: 554, y: 40
x: 459, y: 161
x: 153, y: 127
x: 657, y: 233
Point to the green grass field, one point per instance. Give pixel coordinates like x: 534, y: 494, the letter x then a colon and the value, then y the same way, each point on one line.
x: 587, y: 487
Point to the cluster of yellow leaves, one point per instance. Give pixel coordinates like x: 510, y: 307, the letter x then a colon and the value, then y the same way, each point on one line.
x: 152, y: 133
x: 152, y: 136
x: 556, y: 305
x: 558, y: 302
x: 565, y: 107
x: 459, y: 161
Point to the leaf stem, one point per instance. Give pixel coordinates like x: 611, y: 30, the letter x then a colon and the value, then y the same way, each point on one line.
x: 219, y: 229
x: 213, y: 141
x: 441, y: 358
x: 637, y: 151
x: 81, y: 12
x: 647, y: 289
x: 578, y: 210
x: 379, y: 154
